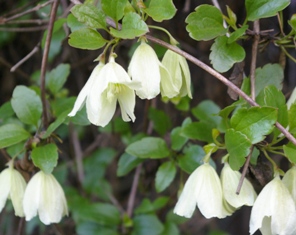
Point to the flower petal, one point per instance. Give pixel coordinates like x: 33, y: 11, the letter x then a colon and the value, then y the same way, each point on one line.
x: 5, y: 185
x: 167, y: 85
x: 127, y: 101
x: 18, y: 186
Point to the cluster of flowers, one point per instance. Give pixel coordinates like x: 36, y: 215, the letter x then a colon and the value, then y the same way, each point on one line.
x: 43, y: 194
x: 273, y: 210
x: 146, y: 78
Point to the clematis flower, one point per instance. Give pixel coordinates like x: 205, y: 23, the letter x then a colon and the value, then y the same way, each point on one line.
x: 180, y: 76
x: 202, y: 189
x: 145, y: 68
x: 274, y: 210
x: 230, y: 179
x: 289, y: 181
x: 107, y: 84
x: 45, y: 196
x: 12, y: 186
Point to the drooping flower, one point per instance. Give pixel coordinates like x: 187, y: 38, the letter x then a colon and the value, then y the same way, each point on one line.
x: 274, y: 210
x: 180, y: 76
x: 145, y: 68
x: 107, y: 84
x: 202, y: 189
x: 12, y: 186
x: 230, y: 179
x: 45, y: 196
x: 289, y: 181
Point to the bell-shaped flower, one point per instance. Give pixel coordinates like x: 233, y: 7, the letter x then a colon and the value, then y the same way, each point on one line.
x: 107, y: 85
x: 12, y: 186
x: 289, y: 181
x: 179, y: 76
x: 45, y: 195
x: 145, y: 68
x: 274, y: 210
x: 202, y: 189
x: 230, y: 180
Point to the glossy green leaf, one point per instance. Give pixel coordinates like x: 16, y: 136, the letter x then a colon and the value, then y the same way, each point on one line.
x: 57, y: 77
x: 11, y: 134
x: 147, y: 225
x: 290, y: 152
x: 73, y: 23
x: 292, y: 118
x: 86, y: 38
x: 148, y: 147
x: 177, y: 140
x: 192, y: 158
x: 234, y: 36
x: 127, y: 163
x: 45, y: 157
x: 238, y: 146
x: 147, y: 206
x: 132, y: 26
x: 160, y: 10
x: 257, y: 9
x: 27, y: 105
x: 89, y: 15
x: 255, y: 122
x: 164, y: 176
x: 224, y: 55
x: 161, y: 121
x: 208, y: 111
x: 198, y: 131
x: 205, y: 23
x: 114, y: 8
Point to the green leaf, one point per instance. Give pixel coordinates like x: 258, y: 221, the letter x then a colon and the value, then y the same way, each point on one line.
x: 127, y: 163
x: 234, y: 36
x: 86, y: 38
x: 132, y: 26
x: 27, y: 105
x: 238, y: 146
x: 161, y: 121
x: 164, y: 176
x: 292, y: 118
x: 73, y: 23
x: 147, y: 225
x: 45, y: 157
x: 177, y: 140
x: 89, y: 15
x: 224, y: 55
x: 148, y: 147
x: 257, y: 9
x: 92, y: 228
x: 160, y: 10
x: 170, y: 229
x: 147, y: 206
x: 270, y: 74
x: 114, y: 8
x: 255, y: 122
x: 207, y: 111
x: 57, y: 77
x: 11, y: 134
x: 199, y: 131
x: 6, y: 111
x: 290, y: 152
x: 205, y: 23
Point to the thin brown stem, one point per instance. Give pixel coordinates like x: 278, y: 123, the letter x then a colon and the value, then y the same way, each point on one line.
x: 35, y: 49
x: 254, y: 58
x: 244, y: 172
x: 45, y: 59
x: 25, y: 29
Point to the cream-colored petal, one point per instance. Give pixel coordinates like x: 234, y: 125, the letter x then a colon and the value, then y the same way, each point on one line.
x: 208, y: 193
x: 52, y: 203
x: 266, y: 226
x: 186, y: 81
x: 5, y: 185
x: 32, y: 196
x: 144, y: 68
x: 289, y: 181
x: 167, y: 85
x: 127, y: 101
x: 85, y: 90
x: 230, y: 180
x: 17, y: 191
x: 170, y: 60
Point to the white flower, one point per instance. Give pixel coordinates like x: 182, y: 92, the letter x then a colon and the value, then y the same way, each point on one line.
x: 45, y: 195
x: 145, y: 68
x: 107, y: 84
x: 289, y: 181
x: 12, y: 186
x: 274, y: 210
x: 180, y: 76
x: 230, y: 180
x: 202, y: 189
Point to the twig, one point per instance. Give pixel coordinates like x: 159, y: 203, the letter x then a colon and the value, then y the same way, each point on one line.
x: 254, y: 58
x: 20, y: 226
x: 26, y: 29
x: 44, y: 61
x: 30, y: 21
x: 18, y: 71
x: 36, y: 48
x: 244, y: 172
x: 36, y: 8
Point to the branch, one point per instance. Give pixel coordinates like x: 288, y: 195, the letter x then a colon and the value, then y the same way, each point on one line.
x: 44, y: 61
x: 254, y: 58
